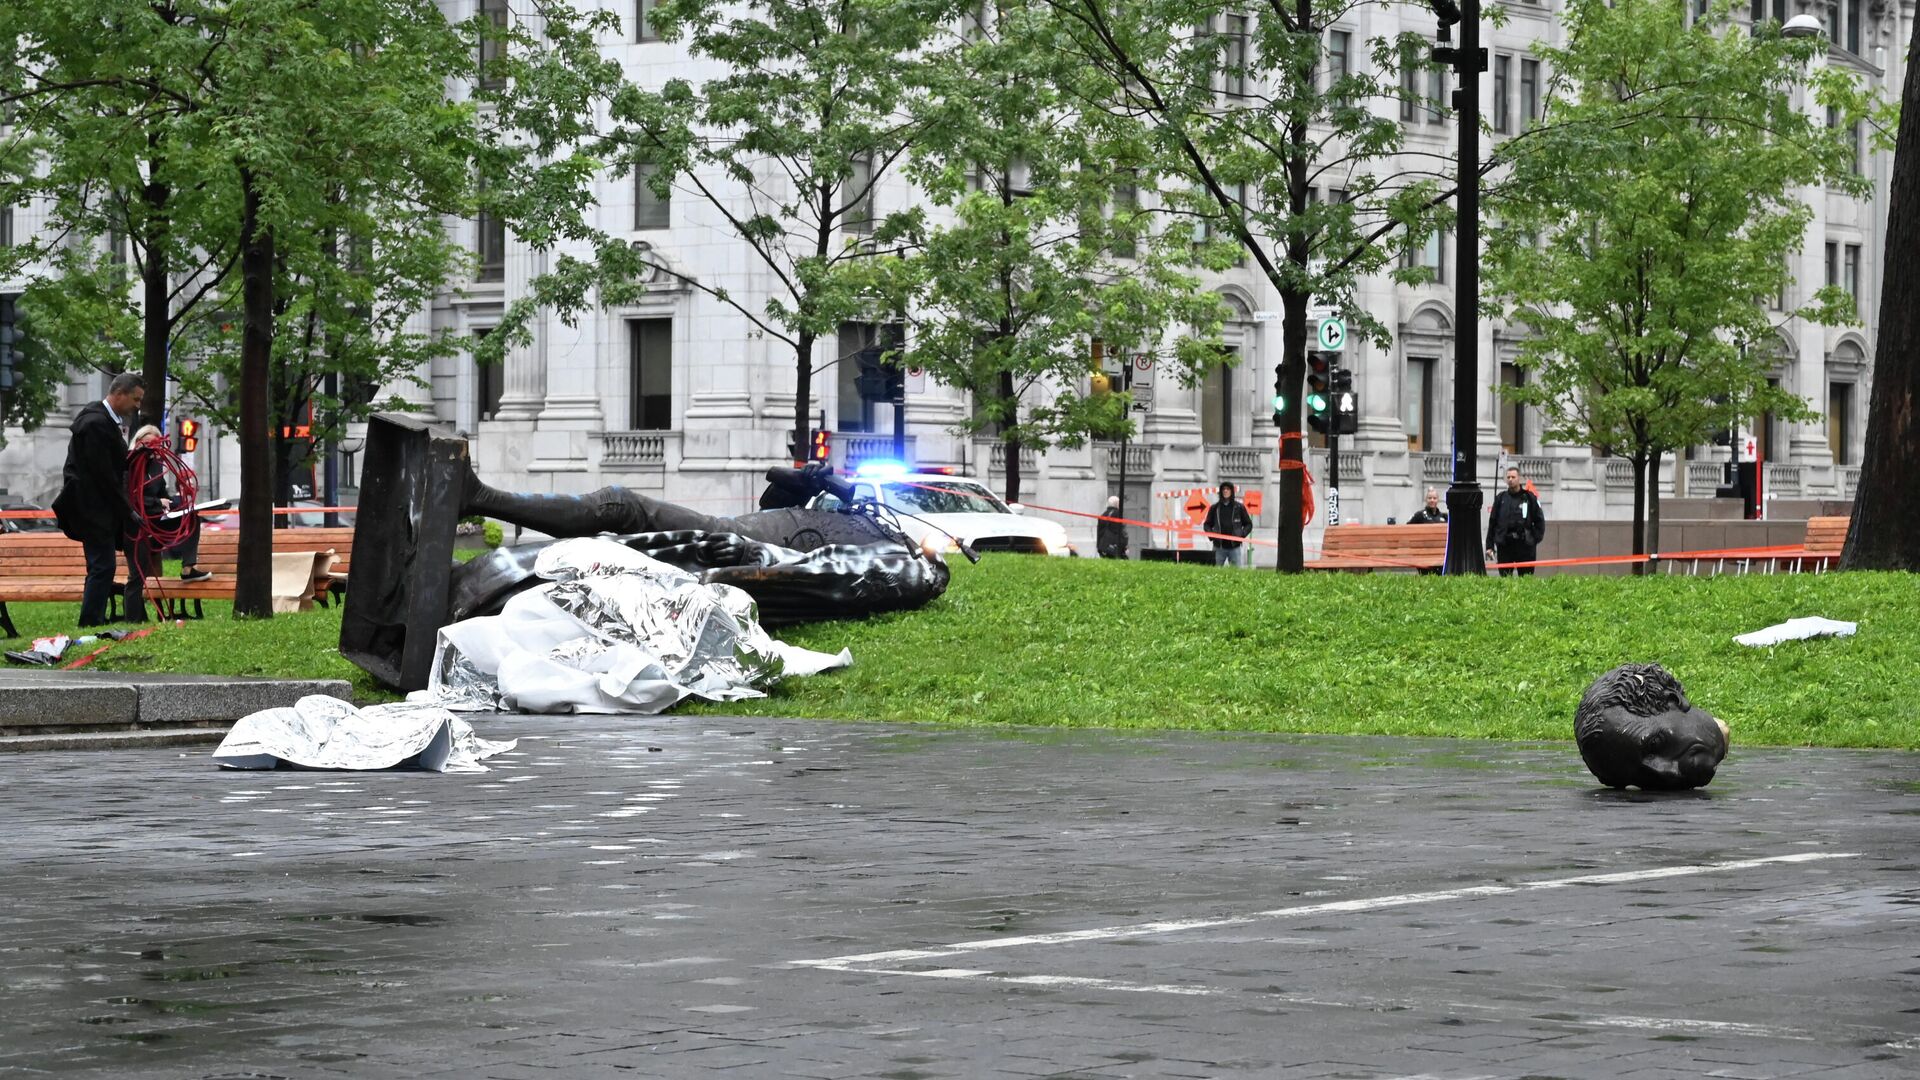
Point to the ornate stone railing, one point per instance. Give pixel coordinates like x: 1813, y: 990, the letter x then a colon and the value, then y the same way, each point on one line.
x: 997, y: 459
x: 1704, y: 477
x: 1435, y: 469
x: 1537, y: 471
x: 1139, y: 460
x: 855, y: 449
x: 633, y: 449
x: 1619, y: 473
x: 1849, y: 480
x: 1783, y: 480
x: 1237, y: 462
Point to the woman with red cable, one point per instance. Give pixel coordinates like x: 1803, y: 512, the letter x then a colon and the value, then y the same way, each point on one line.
x: 150, y: 462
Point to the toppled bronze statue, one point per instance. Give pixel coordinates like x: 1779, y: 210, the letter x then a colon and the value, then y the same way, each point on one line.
x: 796, y: 563
x: 1636, y: 728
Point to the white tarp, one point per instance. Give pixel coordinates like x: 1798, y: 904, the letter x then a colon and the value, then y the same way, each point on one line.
x: 614, y: 631
x: 319, y: 732
x: 1812, y: 626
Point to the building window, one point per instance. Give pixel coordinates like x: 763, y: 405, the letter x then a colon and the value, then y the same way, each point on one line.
x: 856, y: 409
x: 1126, y: 203
x: 1839, y: 419
x: 493, y: 47
x: 1513, y: 433
x: 651, y: 209
x: 490, y: 247
x: 1216, y: 401
x: 858, y: 191
x: 1429, y: 252
x: 973, y: 25
x: 1850, y: 279
x: 650, y: 407
x: 1761, y: 13
x: 1437, y: 111
x: 1833, y: 264
x: 1502, y: 94
x: 643, y: 21
x: 1859, y: 149
x: 1409, y: 89
x: 1417, y: 395
x: 1234, y: 60
x: 1856, y: 13
x: 489, y: 380
x: 1339, y: 56
x: 1529, y: 90
x: 6, y: 226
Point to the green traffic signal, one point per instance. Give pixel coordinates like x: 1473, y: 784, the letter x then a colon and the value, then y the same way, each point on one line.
x: 1317, y: 403
x: 1279, y: 403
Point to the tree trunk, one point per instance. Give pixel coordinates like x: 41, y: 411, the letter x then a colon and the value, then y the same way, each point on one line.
x: 1885, y: 531
x: 1639, y: 509
x: 156, y: 311
x: 1008, y: 440
x: 803, y: 397
x: 253, y: 580
x: 1653, y: 502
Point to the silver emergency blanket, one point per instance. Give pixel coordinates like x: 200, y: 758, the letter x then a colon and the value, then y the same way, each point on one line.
x: 1812, y: 626
x: 613, y: 631
x: 320, y: 732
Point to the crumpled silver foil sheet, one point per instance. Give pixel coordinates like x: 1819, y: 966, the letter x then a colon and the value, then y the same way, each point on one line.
x: 614, y: 631
x: 320, y: 732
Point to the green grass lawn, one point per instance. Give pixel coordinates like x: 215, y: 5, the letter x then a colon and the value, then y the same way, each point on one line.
x: 1088, y: 643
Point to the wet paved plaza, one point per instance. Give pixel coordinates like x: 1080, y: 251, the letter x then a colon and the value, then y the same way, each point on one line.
x: 688, y: 897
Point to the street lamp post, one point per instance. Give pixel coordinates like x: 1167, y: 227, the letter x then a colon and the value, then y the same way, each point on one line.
x: 1464, y: 498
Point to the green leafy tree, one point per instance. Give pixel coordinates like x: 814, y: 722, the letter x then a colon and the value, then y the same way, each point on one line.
x: 1249, y: 112
x: 1042, y: 251
x: 319, y: 224
x: 1652, y: 216
x: 787, y: 144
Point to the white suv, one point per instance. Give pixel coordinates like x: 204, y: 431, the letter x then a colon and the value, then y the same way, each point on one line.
x: 936, y: 509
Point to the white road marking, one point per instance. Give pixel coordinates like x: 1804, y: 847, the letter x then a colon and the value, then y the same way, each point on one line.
x: 1110, y: 933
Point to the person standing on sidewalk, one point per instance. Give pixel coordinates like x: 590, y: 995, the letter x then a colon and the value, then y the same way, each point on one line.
x: 1110, y: 536
x: 1228, y: 518
x: 93, y: 506
x: 1515, y: 526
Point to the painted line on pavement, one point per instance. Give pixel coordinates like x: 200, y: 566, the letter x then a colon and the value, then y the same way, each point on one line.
x: 1377, y: 903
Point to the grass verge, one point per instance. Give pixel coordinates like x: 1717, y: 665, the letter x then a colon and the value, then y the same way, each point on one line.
x: 1089, y: 643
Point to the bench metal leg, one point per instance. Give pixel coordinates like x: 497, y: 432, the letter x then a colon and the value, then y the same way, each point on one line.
x: 6, y: 621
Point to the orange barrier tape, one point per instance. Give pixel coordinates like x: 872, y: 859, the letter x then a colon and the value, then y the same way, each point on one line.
x: 48, y: 514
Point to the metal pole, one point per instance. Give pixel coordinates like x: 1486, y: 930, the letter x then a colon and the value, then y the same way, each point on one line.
x: 1464, y: 498
x: 1333, y: 469
x: 1126, y: 385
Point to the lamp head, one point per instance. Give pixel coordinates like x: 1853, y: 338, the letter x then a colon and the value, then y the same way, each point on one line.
x: 1803, y: 25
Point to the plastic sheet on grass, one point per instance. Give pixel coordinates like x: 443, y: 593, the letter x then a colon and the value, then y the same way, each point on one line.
x: 613, y: 631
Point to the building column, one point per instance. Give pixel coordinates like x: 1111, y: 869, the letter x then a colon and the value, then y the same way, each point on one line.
x: 523, y: 392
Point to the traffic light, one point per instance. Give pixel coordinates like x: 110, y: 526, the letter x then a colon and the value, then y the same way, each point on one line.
x: 1346, y: 404
x: 189, y: 435
x: 822, y: 447
x: 1319, y: 389
x: 1279, y: 397
x: 9, y: 334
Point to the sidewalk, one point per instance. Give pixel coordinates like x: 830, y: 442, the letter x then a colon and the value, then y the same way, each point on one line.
x: 693, y: 896
x: 50, y: 709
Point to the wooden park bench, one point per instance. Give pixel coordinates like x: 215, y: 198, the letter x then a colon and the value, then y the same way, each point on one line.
x: 1382, y: 547
x: 1826, y: 536
x: 46, y: 567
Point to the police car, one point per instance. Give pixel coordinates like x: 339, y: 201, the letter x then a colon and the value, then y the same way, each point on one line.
x: 936, y: 509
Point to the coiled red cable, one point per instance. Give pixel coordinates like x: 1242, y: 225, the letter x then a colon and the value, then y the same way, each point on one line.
x: 144, y: 462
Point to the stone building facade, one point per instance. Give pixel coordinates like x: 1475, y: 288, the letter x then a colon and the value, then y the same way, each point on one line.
x: 679, y: 396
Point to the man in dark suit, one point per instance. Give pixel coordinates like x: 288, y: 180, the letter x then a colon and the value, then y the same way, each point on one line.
x: 1515, y: 526
x: 93, y: 506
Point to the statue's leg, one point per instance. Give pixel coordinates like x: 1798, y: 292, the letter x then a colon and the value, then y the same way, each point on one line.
x: 608, y: 510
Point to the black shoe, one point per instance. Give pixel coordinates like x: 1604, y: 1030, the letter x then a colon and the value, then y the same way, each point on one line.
x: 196, y: 575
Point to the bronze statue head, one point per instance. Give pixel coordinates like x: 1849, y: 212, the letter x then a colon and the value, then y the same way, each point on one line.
x: 1636, y: 728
